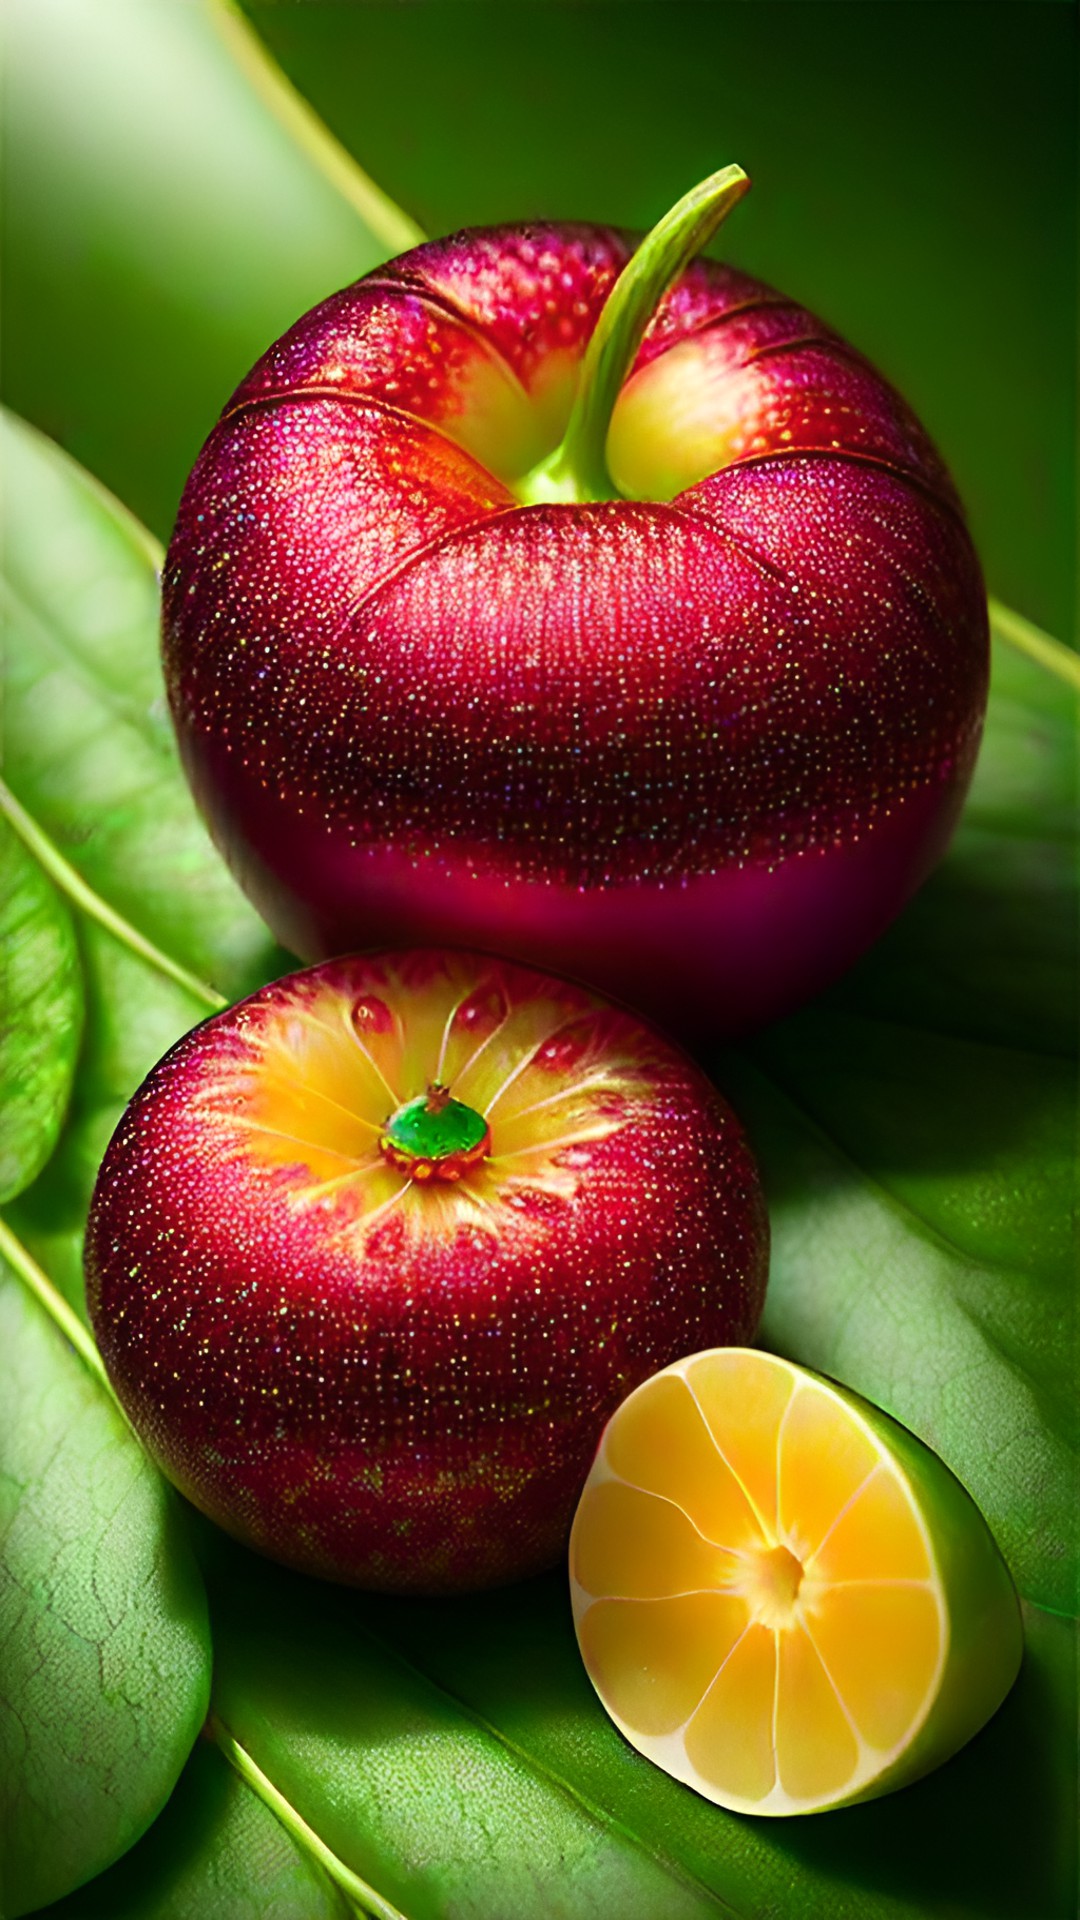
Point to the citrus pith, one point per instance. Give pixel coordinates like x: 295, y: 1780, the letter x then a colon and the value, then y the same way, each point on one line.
x: 781, y: 1596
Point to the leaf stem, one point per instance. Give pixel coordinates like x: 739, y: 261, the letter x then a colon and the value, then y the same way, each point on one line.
x: 54, y: 1304
x: 364, y: 1897
x: 1027, y: 638
x: 83, y: 896
x: 577, y: 470
x: 380, y: 214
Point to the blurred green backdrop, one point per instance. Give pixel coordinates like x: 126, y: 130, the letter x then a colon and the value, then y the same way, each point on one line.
x: 914, y: 175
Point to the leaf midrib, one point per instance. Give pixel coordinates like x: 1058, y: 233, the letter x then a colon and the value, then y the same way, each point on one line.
x: 70, y: 882
x: 56, y: 640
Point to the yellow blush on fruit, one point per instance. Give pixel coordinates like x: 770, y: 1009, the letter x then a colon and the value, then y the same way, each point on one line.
x: 781, y: 1596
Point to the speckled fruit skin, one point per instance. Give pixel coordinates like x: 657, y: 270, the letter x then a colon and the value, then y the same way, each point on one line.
x: 395, y: 1384
x: 696, y: 745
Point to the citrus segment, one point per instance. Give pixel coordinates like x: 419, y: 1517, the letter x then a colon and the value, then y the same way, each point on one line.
x: 657, y: 1657
x: 745, y: 1426
x: 816, y: 1750
x: 824, y: 1460
x: 876, y: 1537
x: 729, y: 1739
x: 852, y: 1623
x: 687, y: 1468
x: 643, y: 1548
x: 880, y: 1645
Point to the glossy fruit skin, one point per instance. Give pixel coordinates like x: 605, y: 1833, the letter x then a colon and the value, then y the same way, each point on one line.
x: 697, y: 748
x: 411, y: 1405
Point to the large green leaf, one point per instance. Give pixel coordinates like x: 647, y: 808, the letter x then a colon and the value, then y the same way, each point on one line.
x: 171, y: 207
x: 133, y: 1016
x: 902, y: 1264
x: 89, y: 751
x: 103, y: 1624
x: 423, y: 1796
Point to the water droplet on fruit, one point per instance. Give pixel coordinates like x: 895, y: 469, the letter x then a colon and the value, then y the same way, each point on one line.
x: 371, y: 1015
x: 566, y: 1050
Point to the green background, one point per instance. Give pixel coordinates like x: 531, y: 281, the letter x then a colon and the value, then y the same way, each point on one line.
x: 913, y: 172
x: 913, y: 168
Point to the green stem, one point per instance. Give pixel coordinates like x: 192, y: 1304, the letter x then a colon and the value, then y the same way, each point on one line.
x: 364, y: 1898
x: 577, y: 470
x: 71, y: 883
x: 1017, y: 632
x: 54, y: 1304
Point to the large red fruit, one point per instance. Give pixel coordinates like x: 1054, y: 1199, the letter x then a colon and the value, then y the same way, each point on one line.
x: 706, y: 736
x: 374, y: 1255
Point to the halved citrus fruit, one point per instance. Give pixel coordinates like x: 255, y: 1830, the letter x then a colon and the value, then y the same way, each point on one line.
x: 781, y: 1596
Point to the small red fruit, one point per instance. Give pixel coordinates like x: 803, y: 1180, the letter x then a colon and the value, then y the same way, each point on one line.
x: 692, y: 700
x: 374, y: 1254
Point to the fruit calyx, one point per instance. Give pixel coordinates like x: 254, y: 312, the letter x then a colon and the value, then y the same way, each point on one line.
x: 577, y: 470
x: 434, y: 1137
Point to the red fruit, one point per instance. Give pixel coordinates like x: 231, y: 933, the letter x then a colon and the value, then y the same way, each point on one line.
x: 362, y: 1347
x: 697, y: 744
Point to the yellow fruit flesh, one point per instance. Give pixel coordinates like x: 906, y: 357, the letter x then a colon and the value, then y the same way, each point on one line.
x: 755, y: 1592
x: 312, y: 1089
x: 689, y: 412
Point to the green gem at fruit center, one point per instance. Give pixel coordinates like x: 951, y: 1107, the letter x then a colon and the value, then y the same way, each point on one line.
x: 435, y: 1135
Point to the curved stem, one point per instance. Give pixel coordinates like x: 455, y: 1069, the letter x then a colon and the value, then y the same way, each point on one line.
x: 578, y: 468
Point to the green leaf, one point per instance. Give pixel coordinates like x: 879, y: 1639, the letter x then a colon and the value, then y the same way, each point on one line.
x: 41, y: 1010
x: 911, y: 1126
x: 216, y: 1853
x: 133, y: 1016
x: 102, y: 1616
x: 172, y: 208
